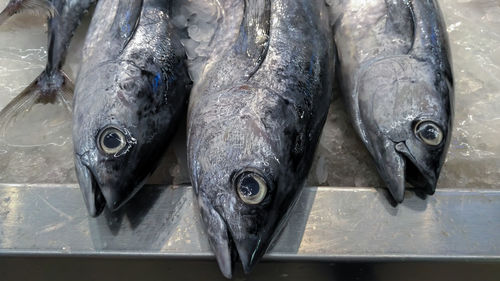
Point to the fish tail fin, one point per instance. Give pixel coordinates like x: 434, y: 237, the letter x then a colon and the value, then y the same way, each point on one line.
x: 65, y: 92
x: 35, y: 7
x: 44, y: 89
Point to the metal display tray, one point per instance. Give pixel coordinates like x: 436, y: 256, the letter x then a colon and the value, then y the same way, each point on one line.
x: 327, y: 226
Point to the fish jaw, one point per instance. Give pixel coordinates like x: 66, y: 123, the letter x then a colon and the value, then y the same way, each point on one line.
x: 397, y: 164
x: 101, y: 190
x: 250, y: 251
x: 419, y: 173
x: 390, y: 165
x: 226, y: 248
x: 219, y: 238
x: 92, y: 195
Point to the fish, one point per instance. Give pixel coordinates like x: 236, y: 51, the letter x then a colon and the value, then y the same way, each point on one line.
x: 52, y: 85
x: 395, y: 74
x: 131, y: 93
x: 254, y: 121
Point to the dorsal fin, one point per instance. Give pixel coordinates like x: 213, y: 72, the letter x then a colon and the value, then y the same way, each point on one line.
x: 111, y: 30
x: 431, y: 37
x: 430, y: 33
x: 126, y: 21
x: 400, y: 22
x: 238, y: 61
x: 253, y: 38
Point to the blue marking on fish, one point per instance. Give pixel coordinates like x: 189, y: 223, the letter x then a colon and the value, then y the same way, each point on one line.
x: 126, y: 28
x: 156, y: 82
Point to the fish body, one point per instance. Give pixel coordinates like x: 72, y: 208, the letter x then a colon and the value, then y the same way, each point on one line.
x: 52, y: 84
x: 254, y: 121
x: 395, y: 74
x: 130, y: 94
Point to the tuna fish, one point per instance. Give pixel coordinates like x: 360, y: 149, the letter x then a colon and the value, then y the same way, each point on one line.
x: 131, y: 91
x: 52, y: 85
x: 395, y: 74
x: 254, y: 121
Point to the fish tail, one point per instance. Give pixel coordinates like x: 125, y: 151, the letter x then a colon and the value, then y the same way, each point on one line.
x: 65, y: 93
x: 35, y: 7
x: 46, y: 88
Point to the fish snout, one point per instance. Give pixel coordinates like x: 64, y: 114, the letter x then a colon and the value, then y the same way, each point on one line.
x: 92, y: 195
x: 399, y: 162
x: 390, y: 165
x: 105, y: 184
x: 227, y: 246
x: 219, y: 238
x: 420, y: 173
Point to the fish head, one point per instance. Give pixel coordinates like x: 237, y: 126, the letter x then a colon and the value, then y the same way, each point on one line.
x: 406, y: 111
x: 119, y: 130
x: 243, y: 171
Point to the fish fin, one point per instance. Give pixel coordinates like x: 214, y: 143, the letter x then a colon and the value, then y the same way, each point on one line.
x: 23, y: 102
x: 65, y: 93
x: 34, y: 7
x: 253, y: 39
x: 41, y: 90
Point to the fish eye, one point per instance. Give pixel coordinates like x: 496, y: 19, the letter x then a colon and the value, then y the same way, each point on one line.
x: 111, y: 140
x: 251, y: 188
x: 429, y: 132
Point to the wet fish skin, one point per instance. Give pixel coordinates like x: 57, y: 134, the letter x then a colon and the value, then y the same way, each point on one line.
x: 132, y: 78
x: 258, y: 111
x: 52, y: 84
x: 395, y: 74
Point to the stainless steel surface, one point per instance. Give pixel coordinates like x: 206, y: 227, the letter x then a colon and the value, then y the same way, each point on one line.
x: 327, y: 224
x: 36, y: 151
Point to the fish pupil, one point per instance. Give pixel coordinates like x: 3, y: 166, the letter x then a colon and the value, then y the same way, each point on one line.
x: 112, y: 140
x: 249, y: 187
x: 429, y: 132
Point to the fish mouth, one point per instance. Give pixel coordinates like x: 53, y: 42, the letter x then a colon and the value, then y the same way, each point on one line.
x: 397, y: 165
x: 228, y: 250
x: 92, y: 194
x: 104, y: 190
x: 416, y: 173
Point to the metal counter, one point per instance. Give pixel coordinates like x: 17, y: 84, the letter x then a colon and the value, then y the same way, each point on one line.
x: 327, y: 225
